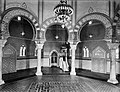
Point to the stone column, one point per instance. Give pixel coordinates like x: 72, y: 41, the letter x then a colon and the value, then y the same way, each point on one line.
x: 39, y: 47
x: 113, y: 47
x: 111, y: 9
x: 74, y: 5
x: 73, y: 48
x: 40, y: 10
x: 2, y: 42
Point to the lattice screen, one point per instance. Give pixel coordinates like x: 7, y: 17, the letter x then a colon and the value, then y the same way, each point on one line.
x: 9, y: 59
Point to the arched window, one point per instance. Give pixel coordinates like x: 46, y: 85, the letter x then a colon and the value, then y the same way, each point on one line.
x: 36, y: 51
x: 117, y: 53
x: 22, y: 50
x: 85, y: 52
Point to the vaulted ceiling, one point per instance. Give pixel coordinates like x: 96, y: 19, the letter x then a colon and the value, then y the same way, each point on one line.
x: 20, y: 27
x: 92, y: 30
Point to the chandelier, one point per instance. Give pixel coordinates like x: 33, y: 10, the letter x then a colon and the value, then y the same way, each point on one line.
x: 63, y: 11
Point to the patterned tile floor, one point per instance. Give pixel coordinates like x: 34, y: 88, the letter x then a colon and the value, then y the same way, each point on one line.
x: 58, y: 83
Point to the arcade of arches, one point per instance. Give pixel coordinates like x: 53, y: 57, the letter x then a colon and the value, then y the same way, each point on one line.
x: 86, y: 45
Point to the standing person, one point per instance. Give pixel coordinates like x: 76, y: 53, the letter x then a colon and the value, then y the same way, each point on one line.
x: 63, y: 63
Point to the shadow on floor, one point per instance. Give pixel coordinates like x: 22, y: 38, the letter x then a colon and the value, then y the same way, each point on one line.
x: 20, y: 74
x: 54, y: 71
x: 94, y: 75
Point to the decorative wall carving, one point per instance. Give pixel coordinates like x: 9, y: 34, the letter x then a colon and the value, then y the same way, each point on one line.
x: 99, y: 60
x: 90, y: 10
x: 118, y: 27
x: 99, y: 53
x: 9, y: 59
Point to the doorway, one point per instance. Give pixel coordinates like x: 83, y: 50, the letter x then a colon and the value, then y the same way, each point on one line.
x: 54, y: 58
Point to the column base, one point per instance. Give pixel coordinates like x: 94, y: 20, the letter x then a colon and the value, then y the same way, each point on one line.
x: 2, y: 82
x: 38, y: 73
x: 113, y: 81
x: 72, y: 73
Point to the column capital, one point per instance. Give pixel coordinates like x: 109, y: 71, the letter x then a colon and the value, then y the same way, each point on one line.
x: 2, y: 42
x: 39, y: 46
x: 39, y: 41
x: 113, y: 45
x: 73, y: 47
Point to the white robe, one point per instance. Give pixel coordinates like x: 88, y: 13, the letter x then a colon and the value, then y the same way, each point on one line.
x: 63, y: 64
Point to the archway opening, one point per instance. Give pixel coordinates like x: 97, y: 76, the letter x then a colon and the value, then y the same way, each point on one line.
x: 91, y: 35
x: 92, y: 30
x: 22, y: 32
x: 56, y: 38
x: 56, y: 33
x: 21, y: 27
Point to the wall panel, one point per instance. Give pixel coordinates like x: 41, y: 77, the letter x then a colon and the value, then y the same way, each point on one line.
x: 86, y: 6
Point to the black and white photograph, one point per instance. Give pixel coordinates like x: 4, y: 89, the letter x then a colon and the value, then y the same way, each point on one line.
x: 59, y: 45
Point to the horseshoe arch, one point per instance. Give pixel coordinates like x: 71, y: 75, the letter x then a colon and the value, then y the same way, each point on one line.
x: 107, y: 22
x: 17, y: 11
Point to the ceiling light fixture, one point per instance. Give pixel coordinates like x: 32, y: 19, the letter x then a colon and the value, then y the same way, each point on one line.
x: 63, y: 11
x: 23, y: 33
x: 19, y: 18
x: 90, y: 35
x: 63, y: 26
x: 90, y: 22
x: 56, y: 37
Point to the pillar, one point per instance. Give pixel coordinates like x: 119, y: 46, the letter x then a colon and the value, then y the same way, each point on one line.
x: 111, y: 11
x: 21, y: 48
x: 113, y: 47
x: 39, y: 47
x: 73, y: 48
x: 2, y: 42
x: 40, y: 10
x: 74, y: 16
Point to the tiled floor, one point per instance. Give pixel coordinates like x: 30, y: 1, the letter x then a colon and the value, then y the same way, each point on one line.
x: 55, y: 80
x: 58, y: 83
